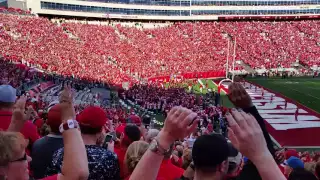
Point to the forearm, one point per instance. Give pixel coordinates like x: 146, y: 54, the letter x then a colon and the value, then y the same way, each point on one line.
x: 75, y: 156
x: 253, y: 111
x: 14, y: 128
x: 266, y: 165
x: 143, y: 170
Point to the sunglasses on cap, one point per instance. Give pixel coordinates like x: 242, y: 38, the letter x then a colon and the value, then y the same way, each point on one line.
x: 24, y: 158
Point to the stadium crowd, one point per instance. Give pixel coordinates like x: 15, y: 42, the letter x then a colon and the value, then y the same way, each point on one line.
x: 112, y: 143
x: 115, y: 54
x: 65, y: 131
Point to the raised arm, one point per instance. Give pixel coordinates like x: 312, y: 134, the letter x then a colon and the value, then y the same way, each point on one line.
x: 18, y: 118
x: 75, y: 162
x: 246, y: 135
x: 241, y: 99
x: 178, y: 125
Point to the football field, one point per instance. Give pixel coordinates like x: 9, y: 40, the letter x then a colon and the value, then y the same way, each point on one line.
x: 304, y: 90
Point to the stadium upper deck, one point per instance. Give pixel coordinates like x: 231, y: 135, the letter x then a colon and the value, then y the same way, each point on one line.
x: 170, y: 9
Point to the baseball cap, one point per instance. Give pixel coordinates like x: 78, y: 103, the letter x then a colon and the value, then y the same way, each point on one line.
x: 290, y: 152
x: 92, y: 116
x: 134, y: 119
x: 54, y: 118
x: 294, y: 162
x: 210, y: 150
x: 7, y: 94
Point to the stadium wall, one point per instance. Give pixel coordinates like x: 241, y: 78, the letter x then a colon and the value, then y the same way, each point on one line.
x: 78, y: 8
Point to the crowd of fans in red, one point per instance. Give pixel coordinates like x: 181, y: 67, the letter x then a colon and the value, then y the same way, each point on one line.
x: 121, y: 138
x: 119, y: 54
x: 112, y: 143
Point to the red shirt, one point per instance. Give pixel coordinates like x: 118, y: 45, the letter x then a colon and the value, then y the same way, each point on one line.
x: 54, y: 177
x: 178, y: 163
x: 169, y: 171
x: 121, y: 152
x: 29, y: 130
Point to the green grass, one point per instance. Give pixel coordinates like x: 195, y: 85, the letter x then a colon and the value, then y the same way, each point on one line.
x: 224, y: 99
x: 304, y: 90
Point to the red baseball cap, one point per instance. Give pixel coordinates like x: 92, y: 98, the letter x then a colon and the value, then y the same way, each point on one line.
x: 120, y: 129
x: 134, y: 119
x: 54, y: 118
x: 92, y: 116
x: 291, y: 152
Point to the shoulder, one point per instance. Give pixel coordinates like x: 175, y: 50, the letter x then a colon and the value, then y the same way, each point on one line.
x: 58, y: 154
x: 39, y: 143
x: 104, y: 153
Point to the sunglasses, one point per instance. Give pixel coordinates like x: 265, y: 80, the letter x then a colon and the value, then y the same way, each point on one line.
x: 24, y: 158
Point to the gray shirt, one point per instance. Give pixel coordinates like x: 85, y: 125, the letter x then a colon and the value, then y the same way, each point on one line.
x: 42, y: 153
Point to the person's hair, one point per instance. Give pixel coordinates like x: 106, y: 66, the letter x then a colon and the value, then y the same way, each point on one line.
x: 134, y: 153
x: 310, y: 166
x: 89, y: 130
x: 209, y: 151
x: 11, y: 146
x: 6, y: 105
x: 44, y: 130
x: 132, y: 133
x: 301, y: 174
x: 187, y: 158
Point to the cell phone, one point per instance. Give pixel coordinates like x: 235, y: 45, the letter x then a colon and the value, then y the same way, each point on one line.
x: 114, y: 136
x: 107, y: 139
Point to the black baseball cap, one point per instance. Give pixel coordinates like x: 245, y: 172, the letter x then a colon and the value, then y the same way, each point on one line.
x: 210, y: 150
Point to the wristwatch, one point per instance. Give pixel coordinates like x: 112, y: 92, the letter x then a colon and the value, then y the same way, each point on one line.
x: 70, y: 124
x: 156, y: 148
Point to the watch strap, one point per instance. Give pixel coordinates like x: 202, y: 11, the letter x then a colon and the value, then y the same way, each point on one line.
x: 70, y: 124
x: 157, y: 148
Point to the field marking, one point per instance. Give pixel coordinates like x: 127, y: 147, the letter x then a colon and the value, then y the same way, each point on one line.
x: 218, y: 87
x: 305, y: 93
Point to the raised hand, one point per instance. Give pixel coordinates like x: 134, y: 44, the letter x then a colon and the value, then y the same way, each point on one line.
x: 238, y: 96
x: 246, y: 135
x: 180, y: 123
x: 18, y: 115
x: 66, y: 103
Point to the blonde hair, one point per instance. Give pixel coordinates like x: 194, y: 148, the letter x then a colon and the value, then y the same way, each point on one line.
x: 134, y: 153
x: 310, y: 166
x: 187, y: 158
x: 11, y: 146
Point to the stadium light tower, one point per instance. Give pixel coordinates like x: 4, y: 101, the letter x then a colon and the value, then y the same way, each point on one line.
x: 228, y: 50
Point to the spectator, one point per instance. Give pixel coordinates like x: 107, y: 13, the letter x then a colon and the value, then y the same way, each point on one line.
x: 168, y: 170
x: 7, y: 100
x: 134, y: 153
x: 14, y: 161
x: 187, y: 158
x: 210, y: 156
x: 241, y: 99
x: 248, y: 139
x: 310, y: 166
x: 301, y: 174
x: 44, y: 148
x: 103, y: 164
x: 235, y: 160
x: 290, y: 153
x: 129, y: 134
x: 293, y: 163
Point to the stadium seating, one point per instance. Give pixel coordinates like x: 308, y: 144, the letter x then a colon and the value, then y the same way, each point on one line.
x: 116, y: 54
